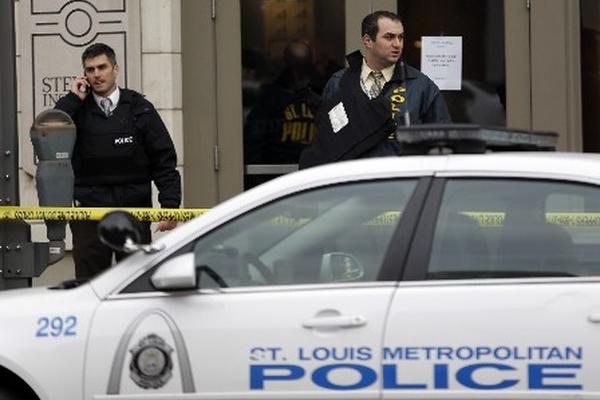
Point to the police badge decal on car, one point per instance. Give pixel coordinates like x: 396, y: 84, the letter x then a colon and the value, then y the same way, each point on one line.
x: 151, y: 363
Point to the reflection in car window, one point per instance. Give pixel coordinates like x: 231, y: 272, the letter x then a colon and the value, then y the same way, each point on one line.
x: 501, y: 228
x: 333, y: 234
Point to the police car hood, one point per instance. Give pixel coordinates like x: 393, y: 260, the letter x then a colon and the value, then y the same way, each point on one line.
x: 37, y: 300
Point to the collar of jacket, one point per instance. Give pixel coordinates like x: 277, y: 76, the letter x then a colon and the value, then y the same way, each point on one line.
x: 355, y: 64
x: 127, y: 97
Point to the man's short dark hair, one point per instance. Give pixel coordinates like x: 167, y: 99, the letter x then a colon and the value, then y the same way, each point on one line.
x: 98, y: 49
x: 369, y: 23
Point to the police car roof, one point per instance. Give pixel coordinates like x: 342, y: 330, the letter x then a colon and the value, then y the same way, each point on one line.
x: 541, y: 164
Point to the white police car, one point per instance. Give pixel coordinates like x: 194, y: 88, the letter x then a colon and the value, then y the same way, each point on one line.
x: 426, y: 277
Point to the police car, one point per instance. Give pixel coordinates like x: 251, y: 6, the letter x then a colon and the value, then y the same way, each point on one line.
x: 424, y: 277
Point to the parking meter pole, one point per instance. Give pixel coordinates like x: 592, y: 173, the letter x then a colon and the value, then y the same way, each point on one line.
x: 53, y: 139
x: 14, y: 235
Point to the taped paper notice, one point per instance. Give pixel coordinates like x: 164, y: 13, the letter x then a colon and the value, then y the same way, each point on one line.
x: 441, y: 60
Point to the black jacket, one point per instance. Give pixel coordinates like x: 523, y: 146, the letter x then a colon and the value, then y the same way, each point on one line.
x: 116, y: 157
x: 370, y: 122
x: 281, y: 123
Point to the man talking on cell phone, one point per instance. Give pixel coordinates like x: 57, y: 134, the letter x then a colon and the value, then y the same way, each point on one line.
x: 122, y: 146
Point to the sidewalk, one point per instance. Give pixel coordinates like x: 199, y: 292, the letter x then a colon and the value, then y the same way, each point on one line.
x: 61, y: 271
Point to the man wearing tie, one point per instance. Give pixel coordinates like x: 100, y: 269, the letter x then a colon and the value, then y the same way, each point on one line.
x: 364, y: 103
x: 122, y: 146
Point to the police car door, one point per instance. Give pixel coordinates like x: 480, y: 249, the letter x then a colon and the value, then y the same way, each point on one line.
x: 290, y: 303
x: 508, y: 304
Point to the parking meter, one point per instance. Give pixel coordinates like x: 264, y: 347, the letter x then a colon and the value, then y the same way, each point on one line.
x: 53, y: 137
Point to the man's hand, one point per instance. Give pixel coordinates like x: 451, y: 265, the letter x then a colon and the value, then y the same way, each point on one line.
x: 80, y: 86
x: 165, y: 226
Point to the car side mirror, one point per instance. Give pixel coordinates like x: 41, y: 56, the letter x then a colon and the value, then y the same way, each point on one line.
x: 178, y: 273
x: 118, y: 230
x: 340, y: 267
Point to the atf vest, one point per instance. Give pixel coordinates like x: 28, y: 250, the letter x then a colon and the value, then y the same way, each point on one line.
x: 351, y: 124
x: 280, y: 125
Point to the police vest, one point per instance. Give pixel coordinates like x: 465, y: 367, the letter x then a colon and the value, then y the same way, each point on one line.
x: 110, y: 150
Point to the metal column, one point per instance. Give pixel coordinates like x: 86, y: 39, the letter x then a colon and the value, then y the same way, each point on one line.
x: 15, y: 236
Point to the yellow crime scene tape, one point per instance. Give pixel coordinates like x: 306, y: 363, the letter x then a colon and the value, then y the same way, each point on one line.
x: 484, y: 218
x: 491, y: 219
x: 96, y: 213
x: 567, y: 219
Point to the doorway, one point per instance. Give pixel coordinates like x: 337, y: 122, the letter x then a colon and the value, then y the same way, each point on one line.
x: 480, y: 23
x: 289, y: 50
x: 590, y: 73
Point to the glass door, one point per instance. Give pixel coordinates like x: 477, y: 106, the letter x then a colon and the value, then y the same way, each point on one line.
x: 289, y: 50
x: 480, y: 23
x: 590, y: 73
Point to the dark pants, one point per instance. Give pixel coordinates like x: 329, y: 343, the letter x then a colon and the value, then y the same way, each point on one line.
x: 90, y: 255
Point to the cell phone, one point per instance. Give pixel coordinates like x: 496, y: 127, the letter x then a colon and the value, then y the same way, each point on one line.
x: 85, y: 88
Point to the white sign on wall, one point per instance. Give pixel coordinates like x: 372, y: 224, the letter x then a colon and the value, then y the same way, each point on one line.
x: 441, y: 60
x: 52, y: 36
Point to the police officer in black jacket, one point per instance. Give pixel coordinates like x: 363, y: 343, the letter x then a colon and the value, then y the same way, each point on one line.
x: 122, y: 146
x: 364, y: 103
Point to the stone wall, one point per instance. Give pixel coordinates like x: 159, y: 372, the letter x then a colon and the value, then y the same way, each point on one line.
x: 52, y: 34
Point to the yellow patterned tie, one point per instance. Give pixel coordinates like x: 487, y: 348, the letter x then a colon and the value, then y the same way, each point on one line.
x: 377, y: 85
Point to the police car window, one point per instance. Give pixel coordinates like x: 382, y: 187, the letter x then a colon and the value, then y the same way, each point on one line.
x: 333, y: 234
x: 502, y: 228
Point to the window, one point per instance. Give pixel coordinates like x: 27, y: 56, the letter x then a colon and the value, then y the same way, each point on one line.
x: 516, y: 228
x: 333, y: 234
x: 590, y: 73
x: 480, y: 23
x: 290, y: 48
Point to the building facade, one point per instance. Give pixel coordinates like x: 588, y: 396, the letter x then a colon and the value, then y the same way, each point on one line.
x: 230, y: 77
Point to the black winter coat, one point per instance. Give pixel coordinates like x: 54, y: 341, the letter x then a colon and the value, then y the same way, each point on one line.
x: 116, y: 157
x: 371, y: 121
